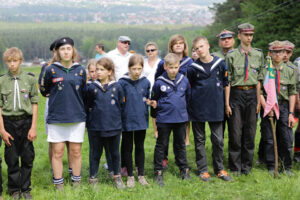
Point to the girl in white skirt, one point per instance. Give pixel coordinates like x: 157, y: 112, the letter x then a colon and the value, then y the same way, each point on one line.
x: 64, y: 82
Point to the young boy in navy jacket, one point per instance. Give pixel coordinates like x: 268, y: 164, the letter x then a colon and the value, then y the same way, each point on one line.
x: 169, y: 96
x: 208, y: 78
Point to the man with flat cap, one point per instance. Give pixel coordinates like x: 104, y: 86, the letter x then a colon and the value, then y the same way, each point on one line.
x: 244, y: 65
x: 226, y: 43
x: 285, y: 91
x: 120, y: 56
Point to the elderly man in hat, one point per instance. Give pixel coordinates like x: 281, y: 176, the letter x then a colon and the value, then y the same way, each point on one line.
x: 285, y: 90
x: 244, y: 65
x: 120, y: 56
x: 226, y: 43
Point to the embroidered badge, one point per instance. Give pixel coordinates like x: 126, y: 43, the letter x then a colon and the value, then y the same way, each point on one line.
x: 113, y: 102
x: 182, y: 88
x: 112, y: 95
x: 26, y: 96
x: 198, y: 75
x: 81, y: 72
x: 168, y: 87
x: 95, y: 91
x: 64, y: 40
x: 114, y: 89
x: 59, y: 87
x: 254, y: 71
x: 52, y: 70
x: 77, y: 87
x: 218, y: 84
x: 283, y: 87
x: 144, y: 99
x: 76, y: 74
x: 163, y: 88
x: 59, y: 79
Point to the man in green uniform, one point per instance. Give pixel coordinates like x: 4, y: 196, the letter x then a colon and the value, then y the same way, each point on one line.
x: 226, y: 43
x: 285, y: 90
x: 244, y: 65
x: 18, y: 119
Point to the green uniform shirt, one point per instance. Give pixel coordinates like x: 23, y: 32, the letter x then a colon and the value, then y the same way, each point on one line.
x: 235, y: 60
x: 287, y: 84
x: 220, y: 54
x: 18, y: 94
x: 295, y: 72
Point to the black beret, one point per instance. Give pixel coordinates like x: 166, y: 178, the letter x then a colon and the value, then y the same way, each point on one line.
x: 52, y: 46
x: 63, y: 41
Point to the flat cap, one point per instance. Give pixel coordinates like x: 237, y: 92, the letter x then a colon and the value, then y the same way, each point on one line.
x: 276, y: 45
x: 124, y: 38
x: 246, y: 28
x: 63, y: 41
x: 225, y: 34
x: 288, y: 45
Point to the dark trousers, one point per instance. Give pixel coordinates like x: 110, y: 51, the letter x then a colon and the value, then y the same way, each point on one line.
x: 179, y: 130
x: 217, y: 145
x: 284, y: 138
x: 242, y: 129
x: 297, y: 144
x: 127, y: 142
x: 19, y: 177
x: 96, y: 148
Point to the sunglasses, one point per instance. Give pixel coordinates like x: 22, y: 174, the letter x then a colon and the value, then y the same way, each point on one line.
x: 125, y: 42
x: 150, y: 50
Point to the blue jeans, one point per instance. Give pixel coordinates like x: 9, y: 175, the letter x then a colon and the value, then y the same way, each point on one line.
x: 96, y: 147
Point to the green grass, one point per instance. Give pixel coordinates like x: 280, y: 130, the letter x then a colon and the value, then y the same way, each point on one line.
x: 258, y: 185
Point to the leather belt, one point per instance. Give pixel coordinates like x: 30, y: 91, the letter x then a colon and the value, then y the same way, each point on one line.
x: 245, y: 87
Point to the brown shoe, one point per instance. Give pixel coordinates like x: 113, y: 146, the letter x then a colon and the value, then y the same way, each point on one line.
x: 26, y: 195
x: 16, y: 195
x: 204, y: 176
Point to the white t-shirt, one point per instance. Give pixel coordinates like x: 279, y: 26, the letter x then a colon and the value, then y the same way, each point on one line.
x: 120, y: 61
x: 149, y: 72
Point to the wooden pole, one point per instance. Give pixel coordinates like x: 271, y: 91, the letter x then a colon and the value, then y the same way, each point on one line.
x: 275, y: 147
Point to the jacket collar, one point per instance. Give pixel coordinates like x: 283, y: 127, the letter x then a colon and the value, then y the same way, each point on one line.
x: 164, y: 77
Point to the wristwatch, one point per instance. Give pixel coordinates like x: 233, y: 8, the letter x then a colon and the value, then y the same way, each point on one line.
x: 292, y: 113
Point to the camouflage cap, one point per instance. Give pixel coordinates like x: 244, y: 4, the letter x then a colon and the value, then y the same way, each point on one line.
x: 288, y: 45
x: 246, y: 28
x: 225, y: 34
x: 276, y: 45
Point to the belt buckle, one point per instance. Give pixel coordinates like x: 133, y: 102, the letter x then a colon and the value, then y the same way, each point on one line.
x: 246, y: 88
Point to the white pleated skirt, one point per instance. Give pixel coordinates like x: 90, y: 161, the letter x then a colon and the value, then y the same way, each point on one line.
x: 66, y: 132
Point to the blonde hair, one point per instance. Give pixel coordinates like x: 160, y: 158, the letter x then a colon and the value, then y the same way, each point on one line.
x: 13, y: 53
x: 151, y: 44
x: 197, y: 39
x: 108, y: 64
x: 136, y: 59
x: 92, y: 62
x: 176, y: 38
x: 57, y: 58
x: 171, y: 59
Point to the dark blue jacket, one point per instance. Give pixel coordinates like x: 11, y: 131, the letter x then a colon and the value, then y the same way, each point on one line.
x: 171, y: 97
x: 135, y: 113
x: 66, y: 89
x: 184, y: 64
x: 207, y: 96
x: 104, y: 105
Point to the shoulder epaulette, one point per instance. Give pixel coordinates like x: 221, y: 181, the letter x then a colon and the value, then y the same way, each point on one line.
x: 257, y: 49
x: 291, y: 66
x: 31, y: 74
x: 230, y: 51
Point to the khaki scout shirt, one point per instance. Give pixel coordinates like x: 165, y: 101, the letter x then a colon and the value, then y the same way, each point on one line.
x: 295, y: 72
x: 220, y: 54
x: 235, y: 60
x: 287, y: 84
x: 13, y: 104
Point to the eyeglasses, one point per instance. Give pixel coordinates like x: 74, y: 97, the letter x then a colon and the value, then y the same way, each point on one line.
x: 125, y: 42
x: 150, y: 50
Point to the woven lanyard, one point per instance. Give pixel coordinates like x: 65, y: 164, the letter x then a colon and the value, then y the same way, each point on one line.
x: 246, y: 66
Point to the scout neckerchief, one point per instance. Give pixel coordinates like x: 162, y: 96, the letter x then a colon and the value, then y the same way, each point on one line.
x: 277, y: 80
x: 246, y: 62
x: 16, y: 94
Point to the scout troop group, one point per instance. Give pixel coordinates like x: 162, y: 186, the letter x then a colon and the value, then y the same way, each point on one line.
x: 226, y: 83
